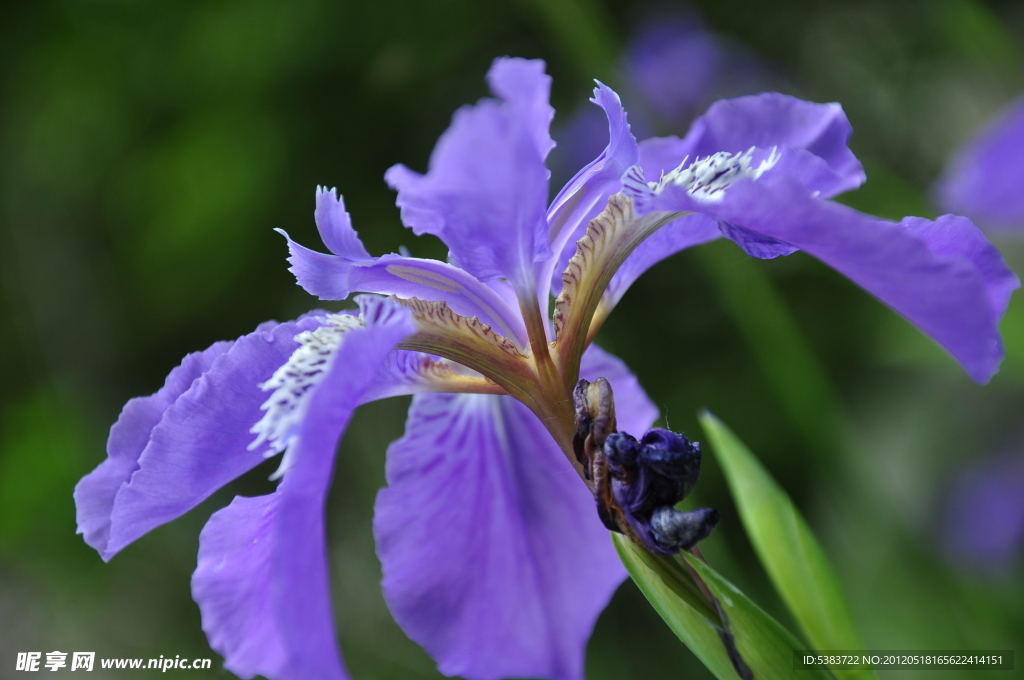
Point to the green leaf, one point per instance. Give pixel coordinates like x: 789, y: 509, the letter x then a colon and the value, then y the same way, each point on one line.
x: 788, y: 550
x: 766, y: 647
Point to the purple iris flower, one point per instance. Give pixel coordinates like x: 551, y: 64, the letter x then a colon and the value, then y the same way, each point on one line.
x: 985, y: 179
x: 494, y: 558
x: 984, y: 515
x: 664, y: 48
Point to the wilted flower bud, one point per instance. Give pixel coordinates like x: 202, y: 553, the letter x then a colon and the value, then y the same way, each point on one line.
x: 637, y: 483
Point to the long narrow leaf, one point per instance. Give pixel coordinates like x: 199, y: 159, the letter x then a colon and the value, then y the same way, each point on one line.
x: 786, y: 547
x: 766, y: 647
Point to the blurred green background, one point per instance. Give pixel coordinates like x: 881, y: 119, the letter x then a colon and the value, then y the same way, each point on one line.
x: 148, y: 149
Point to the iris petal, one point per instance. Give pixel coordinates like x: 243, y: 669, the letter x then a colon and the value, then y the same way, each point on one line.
x: 95, y: 493
x: 943, y: 276
x: 232, y: 585
x: 335, y: 226
x: 524, y: 85
x: 810, y: 140
x: 586, y: 194
x: 351, y: 269
x: 170, y: 451
x: 267, y: 608
x: 494, y: 558
x: 486, y: 188
x: 811, y: 137
x: 984, y: 178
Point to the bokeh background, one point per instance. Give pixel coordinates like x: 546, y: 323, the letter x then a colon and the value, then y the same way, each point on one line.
x: 148, y: 149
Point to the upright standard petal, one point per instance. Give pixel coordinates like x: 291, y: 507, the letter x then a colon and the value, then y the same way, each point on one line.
x: 985, y: 180
x: 262, y: 580
x: 485, y: 191
x: 811, y: 138
x: 524, y: 85
x: 494, y: 559
x: 943, y: 276
x: 586, y: 194
x: 170, y: 451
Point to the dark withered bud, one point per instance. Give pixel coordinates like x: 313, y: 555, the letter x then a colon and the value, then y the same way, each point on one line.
x: 595, y: 420
x: 675, y: 530
x: 637, y: 483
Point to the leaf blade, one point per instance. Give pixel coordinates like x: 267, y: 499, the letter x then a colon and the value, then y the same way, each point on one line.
x: 764, y: 644
x: 786, y: 547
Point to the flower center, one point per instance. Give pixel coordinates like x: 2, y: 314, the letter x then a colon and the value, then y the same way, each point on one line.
x: 706, y: 179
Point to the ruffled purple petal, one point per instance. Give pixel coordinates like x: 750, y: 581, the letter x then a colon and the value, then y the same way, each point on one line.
x: 527, y: 89
x: 943, y: 276
x: 351, y: 269
x: 331, y: 277
x: 233, y: 585
x: 956, y: 238
x: 94, y: 494
x: 267, y: 608
x: 335, y: 226
x: 170, y: 451
x: 494, y: 558
x: 485, y: 191
x: 811, y: 139
x: 327, y: 276
x: 985, y: 180
x: 586, y: 194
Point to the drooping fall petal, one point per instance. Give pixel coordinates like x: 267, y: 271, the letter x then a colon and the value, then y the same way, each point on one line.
x: 494, y: 558
x: 170, y: 451
x: 262, y: 581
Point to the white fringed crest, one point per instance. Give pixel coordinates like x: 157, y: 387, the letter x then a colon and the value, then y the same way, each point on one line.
x: 293, y: 383
x: 707, y: 179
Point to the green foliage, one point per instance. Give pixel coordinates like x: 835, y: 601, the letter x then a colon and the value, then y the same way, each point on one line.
x: 197, y: 200
x: 788, y: 550
x: 41, y: 459
x: 765, y: 646
x: 975, y: 32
